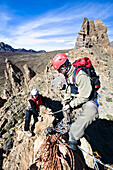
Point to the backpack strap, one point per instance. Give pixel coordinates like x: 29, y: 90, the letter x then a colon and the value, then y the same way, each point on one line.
x: 75, y: 74
x: 66, y: 79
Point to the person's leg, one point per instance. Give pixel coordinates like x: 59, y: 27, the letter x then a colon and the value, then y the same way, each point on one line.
x: 27, y: 119
x: 89, y: 114
x: 35, y: 120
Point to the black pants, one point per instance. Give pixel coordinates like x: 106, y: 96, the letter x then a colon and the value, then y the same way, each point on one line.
x: 28, y: 119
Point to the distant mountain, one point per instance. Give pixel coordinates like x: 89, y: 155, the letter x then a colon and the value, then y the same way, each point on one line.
x: 7, y: 48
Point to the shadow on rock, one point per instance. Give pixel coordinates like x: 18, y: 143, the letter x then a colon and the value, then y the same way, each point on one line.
x: 1, y: 157
x: 2, y: 101
x: 55, y: 106
x: 100, y: 136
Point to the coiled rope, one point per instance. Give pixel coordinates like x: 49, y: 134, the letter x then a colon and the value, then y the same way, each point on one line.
x: 49, y: 156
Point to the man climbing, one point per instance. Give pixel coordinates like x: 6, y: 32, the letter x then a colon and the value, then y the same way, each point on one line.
x: 35, y: 101
x: 79, y: 94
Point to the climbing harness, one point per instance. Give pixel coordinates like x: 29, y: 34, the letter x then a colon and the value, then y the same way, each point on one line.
x: 63, y: 127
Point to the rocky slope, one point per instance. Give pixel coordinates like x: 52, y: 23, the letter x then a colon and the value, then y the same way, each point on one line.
x: 17, y: 150
x: 36, y: 61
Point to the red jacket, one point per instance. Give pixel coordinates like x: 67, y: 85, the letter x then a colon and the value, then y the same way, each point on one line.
x: 37, y: 102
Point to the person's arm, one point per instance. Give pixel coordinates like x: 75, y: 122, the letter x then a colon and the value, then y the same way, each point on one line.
x: 84, y: 89
x: 67, y: 95
x: 33, y: 106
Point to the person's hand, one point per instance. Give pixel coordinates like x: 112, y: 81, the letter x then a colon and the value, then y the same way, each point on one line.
x: 66, y: 107
x: 48, y: 109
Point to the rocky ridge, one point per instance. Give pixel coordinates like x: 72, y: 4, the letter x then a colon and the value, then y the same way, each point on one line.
x: 17, y: 149
x: 7, y: 48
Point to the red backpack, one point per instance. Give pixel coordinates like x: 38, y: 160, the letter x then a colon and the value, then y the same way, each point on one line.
x: 86, y: 66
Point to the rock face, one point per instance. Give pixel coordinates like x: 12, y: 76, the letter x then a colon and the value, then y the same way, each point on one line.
x: 92, y: 33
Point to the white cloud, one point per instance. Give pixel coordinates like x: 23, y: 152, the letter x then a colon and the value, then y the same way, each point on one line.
x: 4, y: 19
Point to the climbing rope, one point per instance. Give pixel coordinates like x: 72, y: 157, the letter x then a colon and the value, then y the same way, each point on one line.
x: 49, y: 155
x: 96, y: 160
x: 53, y: 113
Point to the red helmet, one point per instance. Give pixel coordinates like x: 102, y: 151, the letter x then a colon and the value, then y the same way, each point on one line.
x: 58, y: 60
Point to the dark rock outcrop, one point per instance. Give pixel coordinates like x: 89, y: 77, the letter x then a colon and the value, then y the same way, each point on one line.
x: 100, y: 137
x: 2, y: 101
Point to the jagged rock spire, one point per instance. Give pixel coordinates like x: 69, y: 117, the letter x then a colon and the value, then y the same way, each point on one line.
x: 92, y: 33
x: 15, y: 79
x: 28, y: 75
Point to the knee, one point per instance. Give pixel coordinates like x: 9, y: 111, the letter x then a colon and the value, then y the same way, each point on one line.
x: 91, y: 111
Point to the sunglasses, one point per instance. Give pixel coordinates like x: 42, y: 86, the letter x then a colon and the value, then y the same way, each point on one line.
x: 61, y: 68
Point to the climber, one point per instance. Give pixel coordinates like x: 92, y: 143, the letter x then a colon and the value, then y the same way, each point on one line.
x: 35, y: 101
x: 77, y: 95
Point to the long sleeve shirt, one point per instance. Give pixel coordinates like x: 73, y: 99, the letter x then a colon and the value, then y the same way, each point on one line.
x: 84, y: 86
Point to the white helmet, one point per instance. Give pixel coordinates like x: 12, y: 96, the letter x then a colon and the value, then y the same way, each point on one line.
x: 34, y: 92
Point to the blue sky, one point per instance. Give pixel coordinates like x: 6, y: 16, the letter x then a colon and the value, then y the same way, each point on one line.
x: 49, y: 24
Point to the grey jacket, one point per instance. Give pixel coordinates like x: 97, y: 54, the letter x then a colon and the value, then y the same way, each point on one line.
x: 84, y: 87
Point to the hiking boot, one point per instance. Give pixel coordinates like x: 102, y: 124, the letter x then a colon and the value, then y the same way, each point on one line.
x: 72, y: 141
x: 73, y: 145
x: 28, y: 133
